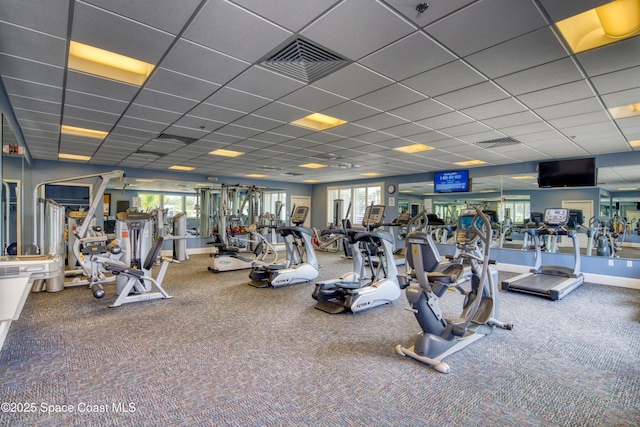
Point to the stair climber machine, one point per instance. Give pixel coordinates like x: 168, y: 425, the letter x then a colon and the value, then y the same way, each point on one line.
x: 356, y: 291
x: 441, y: 337
x: 228, y: 258
x: 300, y: 265
x: 549, y: 280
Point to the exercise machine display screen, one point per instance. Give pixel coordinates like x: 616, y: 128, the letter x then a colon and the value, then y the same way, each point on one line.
x: 299, y: 215
x: 373, y: 216
x: 465, y: 232
x: 556, y: 216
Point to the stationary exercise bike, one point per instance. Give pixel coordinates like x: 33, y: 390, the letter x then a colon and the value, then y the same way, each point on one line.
x: 440, y: 337
x: 228, y: 258
x: 355, y: 291
x: 301, y: 263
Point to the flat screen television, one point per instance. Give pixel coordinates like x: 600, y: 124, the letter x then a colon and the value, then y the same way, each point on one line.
x: 451, y: 182
x: 567, y: 173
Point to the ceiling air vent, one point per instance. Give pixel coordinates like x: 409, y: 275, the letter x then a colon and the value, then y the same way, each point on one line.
x: 499, y: 142
x: 304, y: 61
x: 146, y: 155
x: 291, y: 174
x: 175, y: 138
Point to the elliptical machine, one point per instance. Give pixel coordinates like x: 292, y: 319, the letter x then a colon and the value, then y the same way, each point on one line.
x: 301, y: 264
x: 228, y: 258
x: 355, y: 291
x: 440, y: 337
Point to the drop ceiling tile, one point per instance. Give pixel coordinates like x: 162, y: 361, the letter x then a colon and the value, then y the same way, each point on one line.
x: 70, y: 112
x: 256, y: 122
x: 348, y: 130
x: 573, y: 108
x: 486, y: 21
x: 445, y: 120
x: 503, y: 107
x: 446, y: 78
x: 405, y: 130
x: 37, y: 116
x: 38, y: 105
x: 194, y: 122
x: 352, y: 81
x: 186, y: 132
x: 230, y: 29
x: 351, y: 111
x: 581, y: 119
x: 32, y: 90
x: 529, y: 50
x: 407, y: 57
x: 544, y: 76
x: 237, y: 100
x: 181, y: 85
x: 42, y: 47
x: 517, y: 131
x: 390, y: 97
x: 557, y: 94
x: 24, y: 69
x: 198, y: 61
x: 465, y: 129
x: 85, y: 83
x: 380, y: 121
x: 106, y: 30
x: 567, y: 8
x: 164, y: 101
x: 617, y: 81
x: 153, y: 114
x: 166, y: 15
x: 374, y: 137
x: 84, y: 100
x: 312, y: 99
x: 281, y: 112
x: 146, y: 125
x: 215, y: 113
x: 473, y: 95
x: 421, y: 110
x: 265, y: 83
x: 280, y: 11
x: 341, y: 29
x: 625, y: 97
x: 237, y: 131
x: 610, y: 58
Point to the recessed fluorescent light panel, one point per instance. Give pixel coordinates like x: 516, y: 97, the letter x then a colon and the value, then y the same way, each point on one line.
x: 103, y: 63
x: 414, y: 148
x: 89, y: 133
x: 625, y: 111
x: 226, y: 153
x: 471, y: 163
x: 635, y: 143
x: 256, y: 175
x: 311, y: 181
x: 313, y: 166
x: 370, y: 174
x: 609, y: 23
x: 181, y: 168
x: 317, y: 121
x: 73, y: 157
x: 523, y: 177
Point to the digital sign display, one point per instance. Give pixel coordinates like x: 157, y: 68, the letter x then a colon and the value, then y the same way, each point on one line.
x: 450, y: 182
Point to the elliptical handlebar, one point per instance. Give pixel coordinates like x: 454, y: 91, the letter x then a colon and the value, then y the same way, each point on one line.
x: 422, y: 214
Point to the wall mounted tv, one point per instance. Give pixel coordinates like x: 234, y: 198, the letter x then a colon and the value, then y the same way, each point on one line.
x: 567, y: 173
x: 451, y: 182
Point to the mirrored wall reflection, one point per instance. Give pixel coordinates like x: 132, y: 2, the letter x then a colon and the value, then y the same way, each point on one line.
x: 516, y: 203
x: 12, y: 172
x: 211, y: 210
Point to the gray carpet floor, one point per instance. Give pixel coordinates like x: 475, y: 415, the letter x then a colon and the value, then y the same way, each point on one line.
x: 222, y: 353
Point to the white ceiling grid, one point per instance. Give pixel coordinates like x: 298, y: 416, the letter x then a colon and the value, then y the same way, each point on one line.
x: 462, y: 72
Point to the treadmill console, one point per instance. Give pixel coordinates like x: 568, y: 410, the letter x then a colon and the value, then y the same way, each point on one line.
x: 556, y: 217
x: 299, y: 215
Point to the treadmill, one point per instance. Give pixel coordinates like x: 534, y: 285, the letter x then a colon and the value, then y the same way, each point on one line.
x: 549, y: 280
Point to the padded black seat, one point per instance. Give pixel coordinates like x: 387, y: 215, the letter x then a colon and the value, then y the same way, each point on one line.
x: 153, y: 254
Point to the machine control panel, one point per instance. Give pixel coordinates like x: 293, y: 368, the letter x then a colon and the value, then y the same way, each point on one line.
x: 373, y: 216
x: 299, y: 215
x: 556, y: 217
x: 465, y: 232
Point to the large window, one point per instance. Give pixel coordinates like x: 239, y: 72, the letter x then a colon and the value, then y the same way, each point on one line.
x: 174, y: 203
x: 360, y: 197
x: 272, y: 200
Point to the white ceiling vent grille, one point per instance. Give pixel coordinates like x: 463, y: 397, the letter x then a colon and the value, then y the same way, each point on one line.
x: 175, y: 138
x: 304, y: 61
x: 499, y: 142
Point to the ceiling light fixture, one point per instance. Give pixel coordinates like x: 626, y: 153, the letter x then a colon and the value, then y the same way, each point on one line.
x: 414, y: 148
x: 89, y: 133
x: 524, y: 177
x: 256, y: 175
x: 609, y: 23
x: 635, y: 143
x: 370, y: 174
x: 311, y: 181
x: 181, y: 168
x: 317, y: 121
x: 103, y: 63
x: 313, y: 166
x: 625, y: 111
x: 471, y: 163
x: 73, y: 157
x: 226, y: 153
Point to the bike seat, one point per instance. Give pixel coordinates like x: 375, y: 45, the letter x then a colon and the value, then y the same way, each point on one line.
x: 449, y: 275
